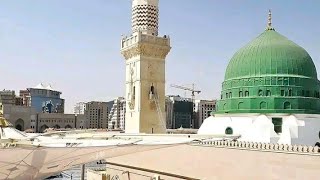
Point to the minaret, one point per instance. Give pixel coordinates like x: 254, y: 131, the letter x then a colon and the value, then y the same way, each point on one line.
x: 145, y: 52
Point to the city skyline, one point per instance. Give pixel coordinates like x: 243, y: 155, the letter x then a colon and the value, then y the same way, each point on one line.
x: 53, y: 42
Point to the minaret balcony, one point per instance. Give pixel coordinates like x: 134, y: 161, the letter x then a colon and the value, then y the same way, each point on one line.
x: 139, y: 37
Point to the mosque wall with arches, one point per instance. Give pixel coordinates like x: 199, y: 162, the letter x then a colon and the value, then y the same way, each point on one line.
x: 270, y: 95
x: 26, y: 118
x: 21, y: 117
x: 59, y: 121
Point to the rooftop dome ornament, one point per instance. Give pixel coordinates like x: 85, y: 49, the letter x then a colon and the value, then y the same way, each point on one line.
x: 269, y: 26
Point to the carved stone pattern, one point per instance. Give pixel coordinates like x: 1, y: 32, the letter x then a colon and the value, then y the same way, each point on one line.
x: 145, y: 17
x: 146, y: 50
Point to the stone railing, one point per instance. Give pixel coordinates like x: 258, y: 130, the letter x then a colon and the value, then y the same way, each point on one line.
x: 262, y: 146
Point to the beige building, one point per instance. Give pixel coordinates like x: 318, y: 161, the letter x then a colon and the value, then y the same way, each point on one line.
x: 22, y: 117
x: 96, y: 114
x: 202, y: 109
x: 116, y: 117
x: 60, y: 121
x: 145, y: 52
x: 7, y: 97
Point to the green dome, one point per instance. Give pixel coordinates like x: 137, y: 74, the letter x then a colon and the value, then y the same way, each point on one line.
x: 271, y: 74
x: 270, y: 54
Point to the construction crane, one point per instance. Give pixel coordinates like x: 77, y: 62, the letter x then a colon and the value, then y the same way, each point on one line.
x: 187, y: 89
x: 193, y: 91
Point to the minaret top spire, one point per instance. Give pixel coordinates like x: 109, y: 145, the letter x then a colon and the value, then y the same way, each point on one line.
x: 145, y: 16
x: 269, y: 25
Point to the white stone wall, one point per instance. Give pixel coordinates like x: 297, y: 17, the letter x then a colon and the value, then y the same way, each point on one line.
x: 296, y: 129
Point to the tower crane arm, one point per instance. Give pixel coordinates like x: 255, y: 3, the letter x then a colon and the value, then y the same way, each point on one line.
x: 185, y: 88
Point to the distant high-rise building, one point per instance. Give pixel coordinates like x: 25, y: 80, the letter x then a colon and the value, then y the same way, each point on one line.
x: 202, y: 109
x: 80, y: 108
x: 96, y: 114
x: 178, y: 112
x: 7, y: 97
x: 43, y: 98
x: 117, y: 114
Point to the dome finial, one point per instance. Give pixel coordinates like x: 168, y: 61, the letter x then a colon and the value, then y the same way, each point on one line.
x: 269, y: 26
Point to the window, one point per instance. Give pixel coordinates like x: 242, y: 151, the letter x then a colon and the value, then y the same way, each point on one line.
x: 260, y: 93
x: 227, y: 95
x: 287, y: 105
x: 229, y: 130
x: 246, y: 93
x: 277, y: 123
x: 290, y: 92
x: 152, y: 90
x: 240, y: 94
x: 230, y: 95
x: 134, y: 92
x: 282, y: 93
x: 268, y: 93
x: 263, y: 105
x: 302, y: 93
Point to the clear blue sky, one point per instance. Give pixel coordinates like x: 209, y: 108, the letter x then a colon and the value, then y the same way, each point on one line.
x: 74, y: 44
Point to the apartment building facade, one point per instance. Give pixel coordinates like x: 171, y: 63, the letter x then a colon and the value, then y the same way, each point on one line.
x: 202, y: 110
x: 117, y: 114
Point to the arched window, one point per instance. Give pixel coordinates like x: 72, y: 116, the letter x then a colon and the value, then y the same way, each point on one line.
x: 268, y: 93
x: 152, y: 89
x: 227, y: 95
x: 240, y: 94
x: 230, y: 95
x: 260, y: 93
x: 277, y: 125
x: 43, y: 127
x: 263, y: 105
x: 56, y: 126
x: 282, y: 92
x: 229, y: 130
x: 19, y: 124
x: 134, y: 92
x: 246, y: 93
x: 68, y: 126
x: 286, y: 105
